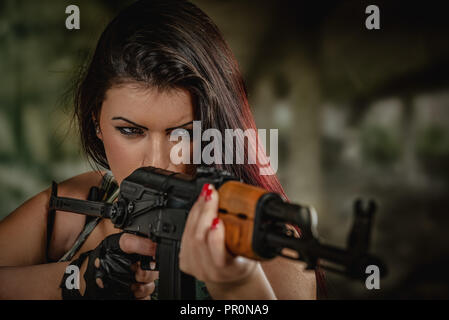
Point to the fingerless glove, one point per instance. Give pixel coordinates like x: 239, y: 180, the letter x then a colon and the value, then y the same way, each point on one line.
x: 114, y: 271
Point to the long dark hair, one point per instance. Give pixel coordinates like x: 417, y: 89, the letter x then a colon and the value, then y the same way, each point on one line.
x: 169, y: 44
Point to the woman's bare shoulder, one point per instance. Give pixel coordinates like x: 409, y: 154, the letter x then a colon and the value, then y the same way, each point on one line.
x: 78, y: 186
x: 26, y: 226
x: 68, y: 225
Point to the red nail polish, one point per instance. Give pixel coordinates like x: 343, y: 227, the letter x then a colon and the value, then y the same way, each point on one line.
x: 209, y: 193
x: 204, y: 190
x: 214, y: 223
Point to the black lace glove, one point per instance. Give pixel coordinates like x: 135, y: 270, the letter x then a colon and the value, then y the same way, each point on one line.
x: 114, y: 271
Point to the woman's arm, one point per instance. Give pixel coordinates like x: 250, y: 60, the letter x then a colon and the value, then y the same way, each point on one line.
x: 24, y: 273
x: 275, y: 279
x: 23, y: 244
x: 23, y: 233
x: 255, y: 287
x: 290, y: 280
x: 39, y: 282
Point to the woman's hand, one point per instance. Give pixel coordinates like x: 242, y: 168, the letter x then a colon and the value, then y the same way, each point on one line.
x: 113, y: 272
x: 144, y: 286
x: 203, y: 252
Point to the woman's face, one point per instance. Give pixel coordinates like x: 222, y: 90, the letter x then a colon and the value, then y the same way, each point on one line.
x: 135, y: 127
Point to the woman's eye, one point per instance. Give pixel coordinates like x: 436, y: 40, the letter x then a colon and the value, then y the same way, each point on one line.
x: 130, y: 131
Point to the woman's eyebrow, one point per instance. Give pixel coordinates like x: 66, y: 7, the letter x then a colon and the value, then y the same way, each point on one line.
x: 180, y: 126
x: 133, y: 123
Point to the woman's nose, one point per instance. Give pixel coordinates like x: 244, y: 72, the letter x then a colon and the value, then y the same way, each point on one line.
x: 156, y: 154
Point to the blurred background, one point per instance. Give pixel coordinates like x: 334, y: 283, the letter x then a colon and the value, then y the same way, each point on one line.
x: 360, y: 113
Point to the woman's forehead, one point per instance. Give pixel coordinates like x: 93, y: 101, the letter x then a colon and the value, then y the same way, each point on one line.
x: 169, y: 106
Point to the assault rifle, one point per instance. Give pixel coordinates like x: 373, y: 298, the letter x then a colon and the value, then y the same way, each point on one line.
x: 155, y: 203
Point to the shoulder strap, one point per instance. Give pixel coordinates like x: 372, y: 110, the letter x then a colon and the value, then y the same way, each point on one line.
x: 51, y: 221
x: 107, y: 192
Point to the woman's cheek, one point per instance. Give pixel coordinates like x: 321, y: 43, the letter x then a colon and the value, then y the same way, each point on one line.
x: 122, y: 159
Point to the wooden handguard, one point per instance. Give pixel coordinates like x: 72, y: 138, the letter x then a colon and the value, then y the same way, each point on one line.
x: 237, y: 209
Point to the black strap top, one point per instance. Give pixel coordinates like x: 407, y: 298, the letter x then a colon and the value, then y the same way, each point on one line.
x: 107, y: 192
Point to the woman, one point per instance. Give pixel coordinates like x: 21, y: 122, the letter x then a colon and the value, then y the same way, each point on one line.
x: 158, y: 66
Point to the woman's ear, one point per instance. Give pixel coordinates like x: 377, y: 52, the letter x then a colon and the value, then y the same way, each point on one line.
x: 97, y: 128
x: 98, y: 132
